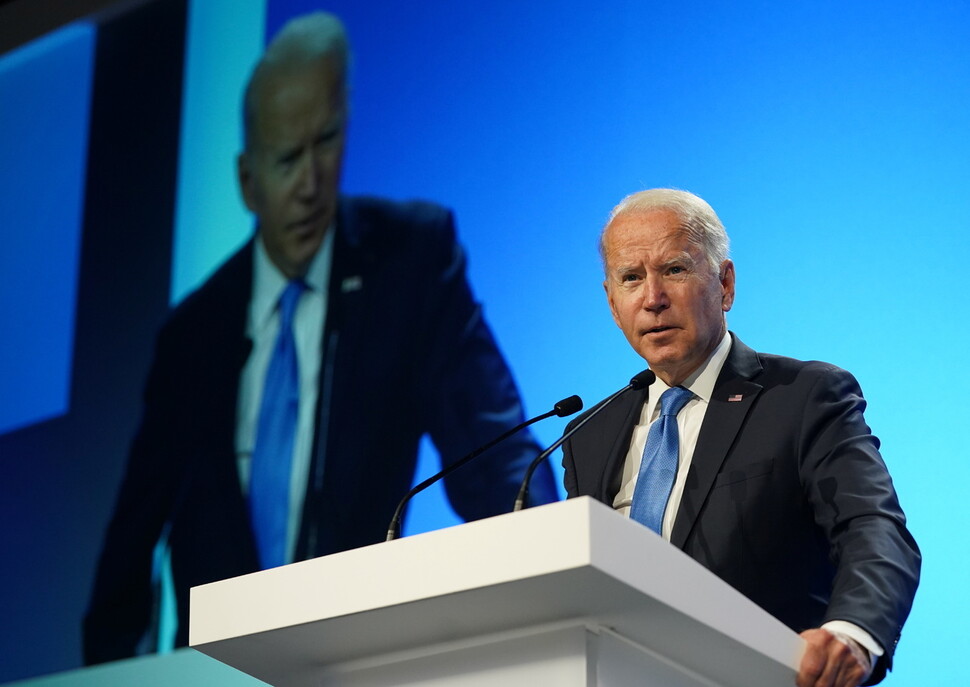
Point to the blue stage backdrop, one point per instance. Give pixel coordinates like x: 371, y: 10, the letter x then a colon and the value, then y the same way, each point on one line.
x: 831, y: 137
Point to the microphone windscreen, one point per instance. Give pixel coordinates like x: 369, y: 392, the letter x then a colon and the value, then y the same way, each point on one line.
x: 642, y: 380
x: 568, y: 406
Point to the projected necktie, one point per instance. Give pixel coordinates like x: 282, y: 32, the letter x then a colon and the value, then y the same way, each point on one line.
x: 659, y: 464
x: 269, y: 484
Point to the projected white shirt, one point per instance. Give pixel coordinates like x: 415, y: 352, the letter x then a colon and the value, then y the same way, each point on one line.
x: 262, y: 328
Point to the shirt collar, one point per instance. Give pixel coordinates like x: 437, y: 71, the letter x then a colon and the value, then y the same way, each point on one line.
x: 701, y: 381
x: 269, y: 282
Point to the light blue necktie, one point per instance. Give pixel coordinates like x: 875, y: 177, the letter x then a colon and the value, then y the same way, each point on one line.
x: 269, y: 483
x: 659, y: 464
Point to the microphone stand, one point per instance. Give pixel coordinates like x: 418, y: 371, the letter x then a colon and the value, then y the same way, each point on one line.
x: 566, y: 406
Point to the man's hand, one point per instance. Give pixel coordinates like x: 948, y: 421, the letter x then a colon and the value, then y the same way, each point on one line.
x: 830, y: 661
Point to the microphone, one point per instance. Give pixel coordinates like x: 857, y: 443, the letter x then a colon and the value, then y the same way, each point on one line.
x: 566, y: 406
x: 639, y: 381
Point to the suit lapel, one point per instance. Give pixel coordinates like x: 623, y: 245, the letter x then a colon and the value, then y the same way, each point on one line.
x: 220, y: 310
x: 734, y: 394
x: 340, y: 337
x: 226, y: 308
x: 619, y: 426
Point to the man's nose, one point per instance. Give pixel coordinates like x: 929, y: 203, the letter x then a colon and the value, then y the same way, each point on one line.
x: 311, y: 178
x: 654, y: 294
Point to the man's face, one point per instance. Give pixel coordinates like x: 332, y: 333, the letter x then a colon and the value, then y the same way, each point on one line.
x: 291, y: 171
x: 662, y: 292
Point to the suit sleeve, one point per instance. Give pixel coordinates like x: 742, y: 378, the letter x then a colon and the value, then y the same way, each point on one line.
x: 854, y: 503
x: 471, y: 394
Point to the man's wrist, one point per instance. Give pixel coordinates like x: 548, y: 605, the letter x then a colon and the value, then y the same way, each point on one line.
x: 853, y: 636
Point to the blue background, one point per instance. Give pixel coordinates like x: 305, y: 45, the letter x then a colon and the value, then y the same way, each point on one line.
x: 44, y: 138
x: 832, y: 138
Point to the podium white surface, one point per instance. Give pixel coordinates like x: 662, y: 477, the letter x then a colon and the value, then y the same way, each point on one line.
x: 570, y: 593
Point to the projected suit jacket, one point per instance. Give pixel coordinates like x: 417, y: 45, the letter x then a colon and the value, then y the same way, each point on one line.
x: 405, y: 352
x: 787, y: 498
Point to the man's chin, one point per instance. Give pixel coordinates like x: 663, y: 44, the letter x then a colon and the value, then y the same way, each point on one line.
x: 296, y: 264
x: 304, y: 250
x: 664, y: 363
x: 660, y: 356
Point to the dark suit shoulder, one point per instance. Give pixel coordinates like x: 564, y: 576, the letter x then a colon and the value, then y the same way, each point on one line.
x: 224, y: 294
x: 772, y: 369
x: 819, y: 381
x: 389, y: 226
x: 210, y: 322
x: 774, y: 362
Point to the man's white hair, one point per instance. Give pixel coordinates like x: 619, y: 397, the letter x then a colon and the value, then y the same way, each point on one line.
x: 302, y: 40
x: 698, y: 220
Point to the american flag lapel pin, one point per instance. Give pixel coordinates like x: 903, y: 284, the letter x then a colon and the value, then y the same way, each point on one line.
x: 349, y: 284
x: 735, y: 398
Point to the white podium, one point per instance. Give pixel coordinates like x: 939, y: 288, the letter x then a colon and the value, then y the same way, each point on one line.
x: 569, y: 594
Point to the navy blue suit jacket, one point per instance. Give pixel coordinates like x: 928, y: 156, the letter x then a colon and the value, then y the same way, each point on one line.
x: 787, y: 498
x: 405, y: 352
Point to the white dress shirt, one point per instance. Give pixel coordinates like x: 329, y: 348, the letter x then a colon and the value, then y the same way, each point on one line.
x: 262, y: 328
x: 689, y: 421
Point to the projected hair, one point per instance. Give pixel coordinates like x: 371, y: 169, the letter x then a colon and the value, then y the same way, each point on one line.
x: 701, y: 224
x: 302, y: 40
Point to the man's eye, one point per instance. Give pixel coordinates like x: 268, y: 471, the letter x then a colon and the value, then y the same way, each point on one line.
x: 629, y: 277
x: 328, y: 137
x: 676, y: 270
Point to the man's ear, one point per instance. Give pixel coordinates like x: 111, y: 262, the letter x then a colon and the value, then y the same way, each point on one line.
x: 244, y: 174
x: 727, y: 285
x: 609, y: 299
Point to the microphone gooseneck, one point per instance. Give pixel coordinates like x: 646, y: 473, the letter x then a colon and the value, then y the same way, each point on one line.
x: 566, y: 406
x: 640, y: 381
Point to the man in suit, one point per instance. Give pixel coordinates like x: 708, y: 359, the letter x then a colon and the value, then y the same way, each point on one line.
x: 385, y: 343
x: 773, y: 480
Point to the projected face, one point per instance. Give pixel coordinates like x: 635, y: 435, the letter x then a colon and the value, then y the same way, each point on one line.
x: 291, y: 172
x: 663, y: 294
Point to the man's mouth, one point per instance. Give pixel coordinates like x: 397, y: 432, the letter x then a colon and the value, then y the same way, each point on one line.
x: 657, y: 330
x: 310, y: 219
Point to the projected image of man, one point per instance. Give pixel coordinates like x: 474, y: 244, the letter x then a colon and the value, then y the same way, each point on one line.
x: 288, y: 394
